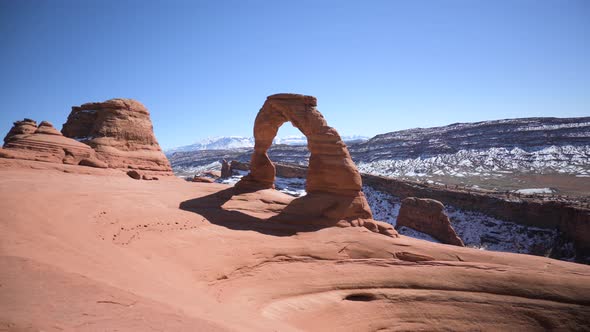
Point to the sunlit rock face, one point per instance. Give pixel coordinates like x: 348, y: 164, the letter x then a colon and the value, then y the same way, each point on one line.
x: 27, y: 141
x: 121, y: 132
x: 428, y: 216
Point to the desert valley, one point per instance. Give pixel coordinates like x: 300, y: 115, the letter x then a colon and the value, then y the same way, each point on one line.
x: 468, y: 227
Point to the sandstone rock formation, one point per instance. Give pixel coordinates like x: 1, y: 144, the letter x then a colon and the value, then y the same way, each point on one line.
x: 427, y: 216
x: 225, y: 169
x: 121, y: 132
x: 24, y: 127
x: 47, y: 129
x: 45, y: 143
x: 333, y: 182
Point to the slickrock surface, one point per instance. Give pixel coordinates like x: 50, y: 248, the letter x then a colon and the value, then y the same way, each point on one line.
x: 333, y: 183
x: 121, y: 132
x: 428, y: 216
x: 102, y: 251
x: 45, y: 143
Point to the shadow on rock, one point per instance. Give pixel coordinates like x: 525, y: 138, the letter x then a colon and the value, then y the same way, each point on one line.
x: 282, y: 224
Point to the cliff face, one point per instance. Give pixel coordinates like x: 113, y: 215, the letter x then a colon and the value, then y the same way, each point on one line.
x: 524, y: 133
x: 121, y: 133
x: 489, y: 148
x: 571, y: 218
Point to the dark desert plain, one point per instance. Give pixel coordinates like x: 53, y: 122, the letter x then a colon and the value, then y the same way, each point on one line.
x: 166, y: 165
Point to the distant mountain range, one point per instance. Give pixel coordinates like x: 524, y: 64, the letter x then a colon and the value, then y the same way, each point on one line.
x: 239, y: 142
x: 487, y: 148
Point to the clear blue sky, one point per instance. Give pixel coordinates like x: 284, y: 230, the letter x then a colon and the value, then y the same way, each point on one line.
x: 204, y: 68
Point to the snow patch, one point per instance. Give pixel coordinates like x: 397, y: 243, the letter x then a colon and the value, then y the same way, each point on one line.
x: 84, y: 138
x: 532, y: 191
x: 290, y: 186
x: 566, y: 159
x: 476, y: 229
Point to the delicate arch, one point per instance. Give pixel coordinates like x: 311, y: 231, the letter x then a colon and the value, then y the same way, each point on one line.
x: 333, y: 182
x: 331, y: 170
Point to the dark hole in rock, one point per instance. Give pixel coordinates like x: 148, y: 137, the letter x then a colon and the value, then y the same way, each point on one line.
x: 362, y: 297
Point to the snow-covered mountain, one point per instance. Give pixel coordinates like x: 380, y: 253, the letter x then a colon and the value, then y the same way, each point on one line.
x: 482, y: 149
x: 527, y: 145
x: 216, y: 143
x: 239, y: 142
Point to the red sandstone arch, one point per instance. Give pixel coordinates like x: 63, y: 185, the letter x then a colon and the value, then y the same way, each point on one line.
x: 330, y: 167
x: 333, y: 182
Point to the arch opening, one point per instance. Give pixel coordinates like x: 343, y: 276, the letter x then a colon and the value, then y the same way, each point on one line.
x: 290, y: 156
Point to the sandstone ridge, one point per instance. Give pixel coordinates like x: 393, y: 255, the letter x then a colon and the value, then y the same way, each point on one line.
x: 27, y: 141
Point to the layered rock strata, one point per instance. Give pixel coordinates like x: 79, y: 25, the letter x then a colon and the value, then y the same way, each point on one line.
x: 28, y: 141
x: 121, y: 133
x: 24, y: 127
